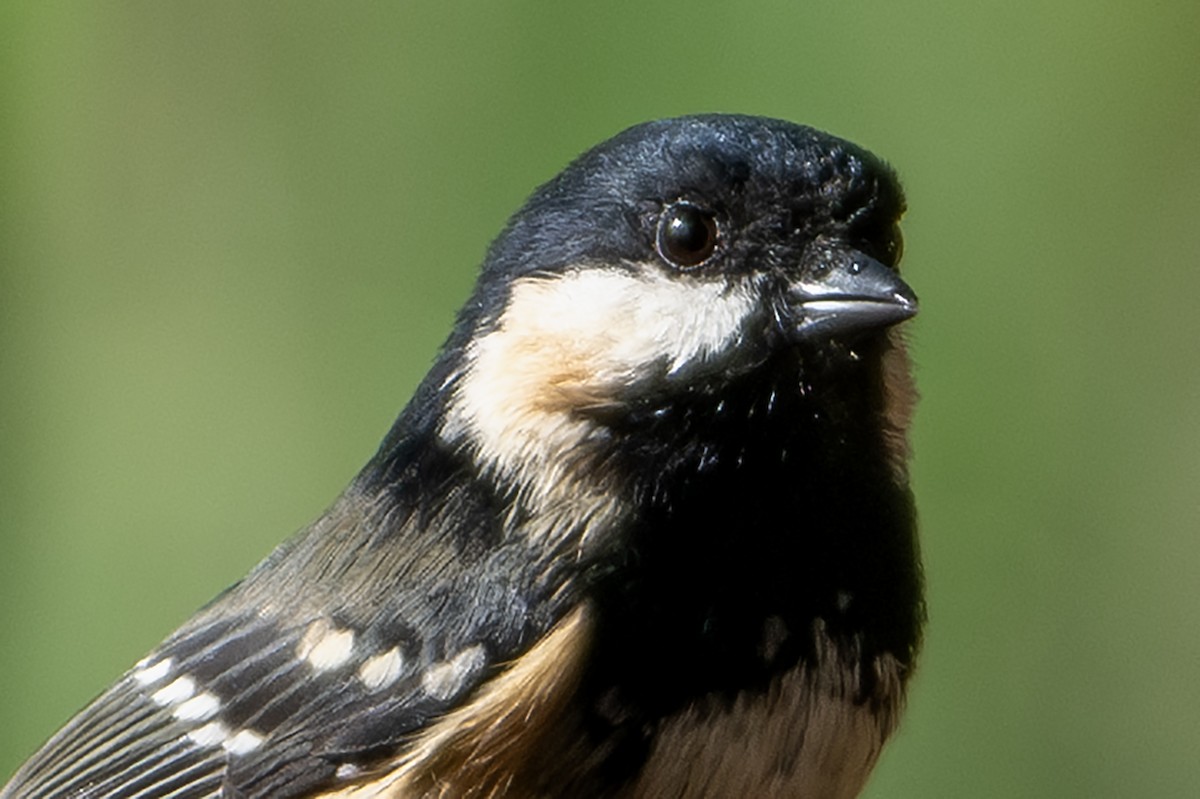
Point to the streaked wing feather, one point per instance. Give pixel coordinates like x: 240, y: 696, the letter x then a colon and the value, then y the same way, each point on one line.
x: 380, y: 617
x: 229, y: 702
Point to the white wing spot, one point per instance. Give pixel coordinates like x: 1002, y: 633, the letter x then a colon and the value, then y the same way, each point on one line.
x: 145, y: 674
x: 212, y: 734
x: 324, y: 646
x: 381, y: 670
x: 243, y: 742
x: 348, y: 771
x: 173, y: 693
x: 445, y: 679
x: 199, y: 708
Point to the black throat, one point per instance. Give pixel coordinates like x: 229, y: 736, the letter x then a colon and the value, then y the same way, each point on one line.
x: 765, y: 512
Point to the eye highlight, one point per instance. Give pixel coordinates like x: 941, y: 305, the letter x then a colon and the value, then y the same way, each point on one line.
x: 687, y: 235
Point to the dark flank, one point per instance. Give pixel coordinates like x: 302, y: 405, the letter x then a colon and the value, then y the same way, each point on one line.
x: 644, y: 531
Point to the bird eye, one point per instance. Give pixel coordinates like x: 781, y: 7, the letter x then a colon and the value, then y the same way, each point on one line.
x: 687, y: 235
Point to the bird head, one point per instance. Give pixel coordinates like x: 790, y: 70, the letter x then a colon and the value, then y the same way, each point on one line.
x: 683, y: 258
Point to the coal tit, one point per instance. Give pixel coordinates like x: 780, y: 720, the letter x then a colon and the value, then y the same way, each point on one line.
x: 645, y: 529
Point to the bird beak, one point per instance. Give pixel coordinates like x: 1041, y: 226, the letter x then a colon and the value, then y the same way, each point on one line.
x: 845, y: 293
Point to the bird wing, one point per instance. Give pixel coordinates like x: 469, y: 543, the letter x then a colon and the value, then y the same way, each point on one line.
x: 329, y: 658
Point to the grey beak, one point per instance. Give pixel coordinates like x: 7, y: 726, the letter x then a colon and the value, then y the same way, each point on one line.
x: 844, y: 293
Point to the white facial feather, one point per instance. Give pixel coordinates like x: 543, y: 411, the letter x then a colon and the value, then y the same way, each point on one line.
x: 623, y: 324
x: 585, y: 339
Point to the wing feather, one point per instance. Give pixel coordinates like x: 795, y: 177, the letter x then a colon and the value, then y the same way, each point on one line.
x: 334, y: 653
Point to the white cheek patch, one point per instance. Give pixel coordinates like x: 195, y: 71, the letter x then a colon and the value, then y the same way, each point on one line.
x: 606, y: 328
x: 592, y: 335
x: 586, y: 339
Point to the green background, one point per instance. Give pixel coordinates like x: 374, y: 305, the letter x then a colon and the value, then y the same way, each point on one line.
x: 232, y: 236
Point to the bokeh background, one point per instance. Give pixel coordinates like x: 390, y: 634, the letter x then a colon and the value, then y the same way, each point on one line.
x: 232, y: 236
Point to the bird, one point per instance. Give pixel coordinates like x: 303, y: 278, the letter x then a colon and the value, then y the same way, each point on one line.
x: 644, y: 530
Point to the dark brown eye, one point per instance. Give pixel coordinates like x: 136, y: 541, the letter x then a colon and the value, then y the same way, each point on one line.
x: 687, y: 235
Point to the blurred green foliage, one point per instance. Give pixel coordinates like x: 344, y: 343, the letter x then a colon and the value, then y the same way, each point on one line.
x: 232, y: 236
